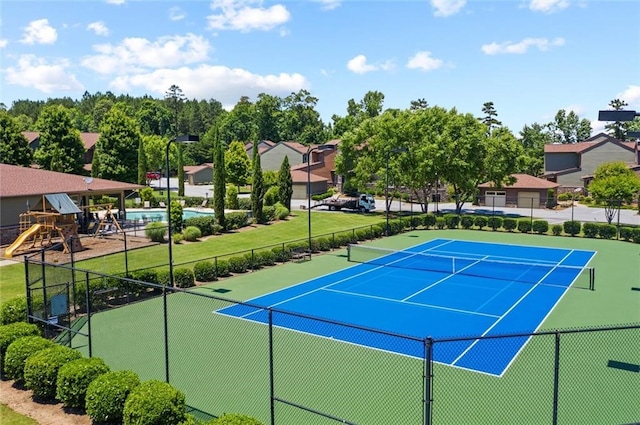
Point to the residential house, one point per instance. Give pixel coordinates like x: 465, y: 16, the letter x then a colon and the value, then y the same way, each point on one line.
x: 199, y: 174
x: 89, y: 141
x: 319, y: 171
x: 525, y: 192
x: 573, y: 165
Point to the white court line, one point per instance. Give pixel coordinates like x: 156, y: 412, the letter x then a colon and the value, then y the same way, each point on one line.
x: 356, y: 294
x: 505, y: 314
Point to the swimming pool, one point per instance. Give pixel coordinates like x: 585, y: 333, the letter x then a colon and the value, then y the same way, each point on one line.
x: 160, y: 214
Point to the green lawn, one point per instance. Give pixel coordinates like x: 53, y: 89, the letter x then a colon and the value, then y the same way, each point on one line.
x: 9, y: 417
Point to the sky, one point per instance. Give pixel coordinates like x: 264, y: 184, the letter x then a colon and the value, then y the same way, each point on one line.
x: 530, y: 58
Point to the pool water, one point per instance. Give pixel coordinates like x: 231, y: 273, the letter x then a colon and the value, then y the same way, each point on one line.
x: 159, y: 214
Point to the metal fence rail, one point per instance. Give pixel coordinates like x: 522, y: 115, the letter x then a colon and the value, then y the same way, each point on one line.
x: 266, y: 369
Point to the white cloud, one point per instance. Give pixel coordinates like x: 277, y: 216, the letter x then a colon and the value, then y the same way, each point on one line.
x: 35, y: 72
x: 359, y: 65
x: 116, y: 2
x: 177, y: 14
x: 246, y: 15
x: 140, y: 54
x: 3, y: 43
x: 220, y: 82
x: 521, y: 47
x: 424, y: 62
x: 548, y: 6
x: 329, y: 4
x: 447, y: 7
x: 99, y: 28
x: 631, y: 95
x: 39, y: 32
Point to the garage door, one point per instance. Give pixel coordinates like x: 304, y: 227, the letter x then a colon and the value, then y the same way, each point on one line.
x: 525, y: 199
x: 495, y: 198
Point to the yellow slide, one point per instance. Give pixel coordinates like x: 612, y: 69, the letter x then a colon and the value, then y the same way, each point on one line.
x: 23, y: 237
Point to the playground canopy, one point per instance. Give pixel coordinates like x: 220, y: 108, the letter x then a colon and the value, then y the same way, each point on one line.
x: 62, y: 203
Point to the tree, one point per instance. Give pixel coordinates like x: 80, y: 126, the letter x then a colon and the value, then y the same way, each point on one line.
x: 268, y: 114
x: 419, y: 104
x: 533, y: 138
x: 14, y: 147
x: 618, y: 129
x: 116, y: 153
x: 61, y: 148
x: 237, y: 164
x: 154, y: 149
x: 369, y: 107
x: 300, y: 121
x: 154, y: 118
x: 257, y: 186
x: 142, y: 163
x: 240, y: 124
x: 489, y: 118
x: 285, y: 183
x: 218, y: 178
x: 613, y: 184
x: 568, y: 128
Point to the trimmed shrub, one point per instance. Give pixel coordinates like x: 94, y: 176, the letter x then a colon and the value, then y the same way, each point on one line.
x: 440, y: 223
x: 452, y: 220
x: 626, y: 233
x: 606, y: 231
x: 271, y: 196
x: 222, y: 268
x: 13, y: 310
x: 155, y: 231
x: 177, y: 238
x: 572, y: 227
x: 11, y: 332
x: 509, y: 224
x: 41, y: 370
x: 107, y: 394
x: 324, y: 244
x: 235, y: 419
x: 183, y: 277
x: 556, y: 229
x: 204, y: 223
x: 267, y: 258
x: 480, y: 221
x: 149, y: 276
x: 19, y: 351
x: 244, y: 204
x: 238, y: 264
x: 377, y: 231
x: 254, y: 262
x: 541, y: 227
x: 74, y: 379
x: 164, y: 277
x: 231, y: 197
x: 495, y: 222
x: 236, y: 220
x: 429, y: 220
x: 636, y: 235
x: 282, y: 255
x: 268, y: 214
x: 205, y: 271
x: 216, y: 229
x: 466, y: 221
x: 281, y: 211
x: 154, y: 403
x: 590, y: 230
x: 524, y: 226
x: 192, y: 233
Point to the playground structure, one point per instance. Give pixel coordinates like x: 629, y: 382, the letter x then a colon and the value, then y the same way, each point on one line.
x: 60, y: 221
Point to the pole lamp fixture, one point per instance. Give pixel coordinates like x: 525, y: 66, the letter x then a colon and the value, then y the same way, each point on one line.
x: 179, y: 139
x: 386, y: 185
x: 319, y: 148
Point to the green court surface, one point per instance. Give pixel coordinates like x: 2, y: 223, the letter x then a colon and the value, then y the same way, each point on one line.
x: 222, y: 363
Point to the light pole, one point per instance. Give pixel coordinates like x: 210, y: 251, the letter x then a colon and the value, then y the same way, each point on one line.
x: 319, y: 148
x: 386, y: 185
x: 179, y: 139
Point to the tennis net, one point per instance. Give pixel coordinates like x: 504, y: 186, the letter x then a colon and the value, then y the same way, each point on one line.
x: 513, y: 271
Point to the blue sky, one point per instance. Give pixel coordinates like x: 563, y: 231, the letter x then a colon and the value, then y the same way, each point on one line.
x: 529, y: 57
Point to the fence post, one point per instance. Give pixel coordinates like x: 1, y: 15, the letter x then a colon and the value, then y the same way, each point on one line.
x: 27, y: 283
x: 271, y: 383
x: 87, y: 299
x: 556, y: 377
x: 531, y: 230
x: 166, y: 333
x: 428, y: 380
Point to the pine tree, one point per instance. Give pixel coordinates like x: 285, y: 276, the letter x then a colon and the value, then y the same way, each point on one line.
x: 285, y: 183
x: 218, y: 180
x: 257, y: 186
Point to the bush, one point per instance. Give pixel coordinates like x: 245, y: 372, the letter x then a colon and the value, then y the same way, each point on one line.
x: 222, y: 268
x: 324, y: 244
x: 268, y: 214
x: 204, y: 223
x: 235, y: 419
x: 466, y: 221
x: 192, y: 233
x: 236, y: 220
x: 154, y: 403
x: 244, y: 204
x: 149, y: 276
x: 541, y: 227
x: 11, y: 332
x: 267, y: 258
x: 271, y: 196
x: 19, y: 351
x: 429, y: 220
x: 155, y: 231
x: 13, y: 310
x: 440, y: 223
x: 636, y: 235
x: 376, y: 231
x: 205, y: 271
x: 106, y: 395
x: 164, y: 277
x: 41, y: 370
x: 626, y: 233
x: 524, y: 225
x: 571, y: 227
x: 238, y: 264
x: 231, y: 197
x: 74, y: 379
x: 254, y: 262
x: 495, y: 222
x: 183, y: 277
x: 509, y: 224
x: 590, y: 230
x: 281, y: 212
x: 480, y: 221
x: 281, y: 255
x: 606, y: 231
x: 452, y: 220
x: 177, y: 238
x: 556, y: 229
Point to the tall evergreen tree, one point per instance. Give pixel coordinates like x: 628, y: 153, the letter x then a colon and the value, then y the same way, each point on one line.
x: 142, y: 163
x: 617, y: 129
x: 218, y: 179
x: 285, y: 183
x: 257, y: 186
x: 490, y: 117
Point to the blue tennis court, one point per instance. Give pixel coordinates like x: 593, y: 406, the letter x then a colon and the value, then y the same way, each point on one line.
x: 442, y: 288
